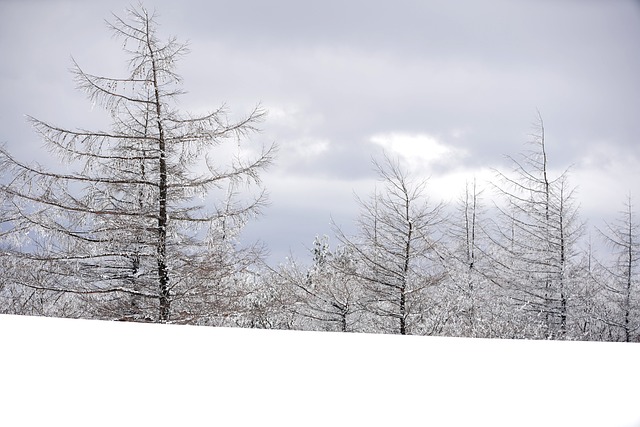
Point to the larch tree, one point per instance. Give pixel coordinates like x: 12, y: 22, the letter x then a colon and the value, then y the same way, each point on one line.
x: 326, y: 295
x: 538, y: 239
x: 593, y: 310
x: 143, y: 221
x: 622, y: 274
x: 466, y: 262
x: 395, y: 252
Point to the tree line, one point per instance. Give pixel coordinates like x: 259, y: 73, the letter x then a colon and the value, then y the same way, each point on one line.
x: 143, y: 225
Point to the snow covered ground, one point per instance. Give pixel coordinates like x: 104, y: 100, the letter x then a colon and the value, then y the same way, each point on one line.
x: 92, y: 373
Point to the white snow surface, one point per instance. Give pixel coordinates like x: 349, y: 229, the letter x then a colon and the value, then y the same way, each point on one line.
x: 95, y: 373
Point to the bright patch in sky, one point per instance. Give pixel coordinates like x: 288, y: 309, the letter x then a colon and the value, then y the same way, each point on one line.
x: 417, y: 150
x: 450, y: 187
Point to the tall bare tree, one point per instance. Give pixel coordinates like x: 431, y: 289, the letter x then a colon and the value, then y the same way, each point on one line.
x: 466, y: 261
x: 396, y: 252
x: 127, y: 220
x: 538, y: 239
x: 622, y: 274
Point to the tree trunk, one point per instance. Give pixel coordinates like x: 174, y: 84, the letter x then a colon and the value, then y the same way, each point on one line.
x: 163, y: 273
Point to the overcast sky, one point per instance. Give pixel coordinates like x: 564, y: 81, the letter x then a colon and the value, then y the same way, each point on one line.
x: 448, y: 86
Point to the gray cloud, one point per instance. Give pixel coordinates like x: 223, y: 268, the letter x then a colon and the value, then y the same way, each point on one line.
x: 334, y: 74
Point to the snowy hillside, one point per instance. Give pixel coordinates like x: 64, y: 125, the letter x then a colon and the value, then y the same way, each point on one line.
x: 93, y: 373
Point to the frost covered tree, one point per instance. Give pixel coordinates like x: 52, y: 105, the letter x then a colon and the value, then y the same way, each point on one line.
x: 395, y: 253
x: 473, y: 298
x: 592, y: 305
x: 537, y: 261
x: 622, y: 274
x: 143, y: 218
x: 325, y: 295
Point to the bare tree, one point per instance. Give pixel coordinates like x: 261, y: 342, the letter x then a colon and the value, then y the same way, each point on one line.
x: 620, y: 280
x: 538, y: 239
x: 126, y: 224
x: 395, y: 252
x: 325, y: 295
x: 592, y: 302
x: 466, y: 262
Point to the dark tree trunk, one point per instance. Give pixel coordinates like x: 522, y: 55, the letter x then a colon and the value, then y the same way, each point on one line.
x: 163, y: 273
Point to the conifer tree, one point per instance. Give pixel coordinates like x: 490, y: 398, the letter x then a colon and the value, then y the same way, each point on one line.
x: 538, y: 239
x: 142, y: 220
x: 622, y: 274
x: 396, y: 252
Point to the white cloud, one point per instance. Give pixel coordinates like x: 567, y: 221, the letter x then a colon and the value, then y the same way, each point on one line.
x: 450, y: 187
x: 418, y: 150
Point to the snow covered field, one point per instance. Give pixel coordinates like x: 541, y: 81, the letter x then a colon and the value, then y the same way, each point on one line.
x: 92, y: 373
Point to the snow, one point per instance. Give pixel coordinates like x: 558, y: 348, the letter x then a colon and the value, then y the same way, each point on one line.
x: 87, y: 372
